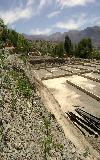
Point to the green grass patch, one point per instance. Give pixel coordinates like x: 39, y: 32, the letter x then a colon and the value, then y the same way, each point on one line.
x: 23, y: 87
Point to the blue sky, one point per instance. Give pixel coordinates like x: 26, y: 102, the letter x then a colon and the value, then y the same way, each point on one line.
x: 49, y: 16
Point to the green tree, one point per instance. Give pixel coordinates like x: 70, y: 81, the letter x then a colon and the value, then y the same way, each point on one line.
x: 23, y: 45
x: 1, y: 26
x: 59, y: 49
x: 13, y: 37
x: 4, y: 34
x: 84, y: 48
x: 68, y: 45
x: 1, y: 22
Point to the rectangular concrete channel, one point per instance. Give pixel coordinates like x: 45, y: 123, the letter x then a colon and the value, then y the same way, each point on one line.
x: 57, y: 71
x: 93, y: 75
x: 88, y: 68
x: 41, y: 73
x: 69, y: 96
x: 91, y: 86
x: 98, y: 67
x: 72, y: 69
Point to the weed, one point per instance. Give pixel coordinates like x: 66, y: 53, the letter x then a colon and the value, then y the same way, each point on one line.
x: 58, y: 147
x: 47, y: 143
x: 23, y: 87
x: 86, y: 153
x: 14, y: 74
x: 47, y: 126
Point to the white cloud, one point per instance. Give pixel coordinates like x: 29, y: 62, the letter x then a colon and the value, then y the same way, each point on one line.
x: 78, y: 22
x: 43, y: 3
x: 15, y: 14
x: 30, y: 2
x: 73, y: 23
x: 53, y: 14
x: 72, y: 3
x: 38, y: 31
x: 94, y: 20
x: 31, y: 8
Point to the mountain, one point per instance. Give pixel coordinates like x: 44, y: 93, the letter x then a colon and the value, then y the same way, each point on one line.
x: 35, y: 37
x: 56, y: 36
x: 75, y: 35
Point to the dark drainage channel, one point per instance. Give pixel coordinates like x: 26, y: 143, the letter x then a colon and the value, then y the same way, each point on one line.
x: 85, y: 121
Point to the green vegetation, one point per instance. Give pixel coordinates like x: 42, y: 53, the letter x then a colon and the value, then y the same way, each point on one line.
x: 59, y: 50
x: 24, y: 57
x: 84, y: 48
x: 86, y: 153
x: 10, y: 38
x: 95, y: 54
x: 68, y: 46
x: 44, y: 47
x: 48, y: 142
x: 24, y: 87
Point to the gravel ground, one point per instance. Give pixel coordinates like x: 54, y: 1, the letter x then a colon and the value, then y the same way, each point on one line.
x: 27, y: 130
